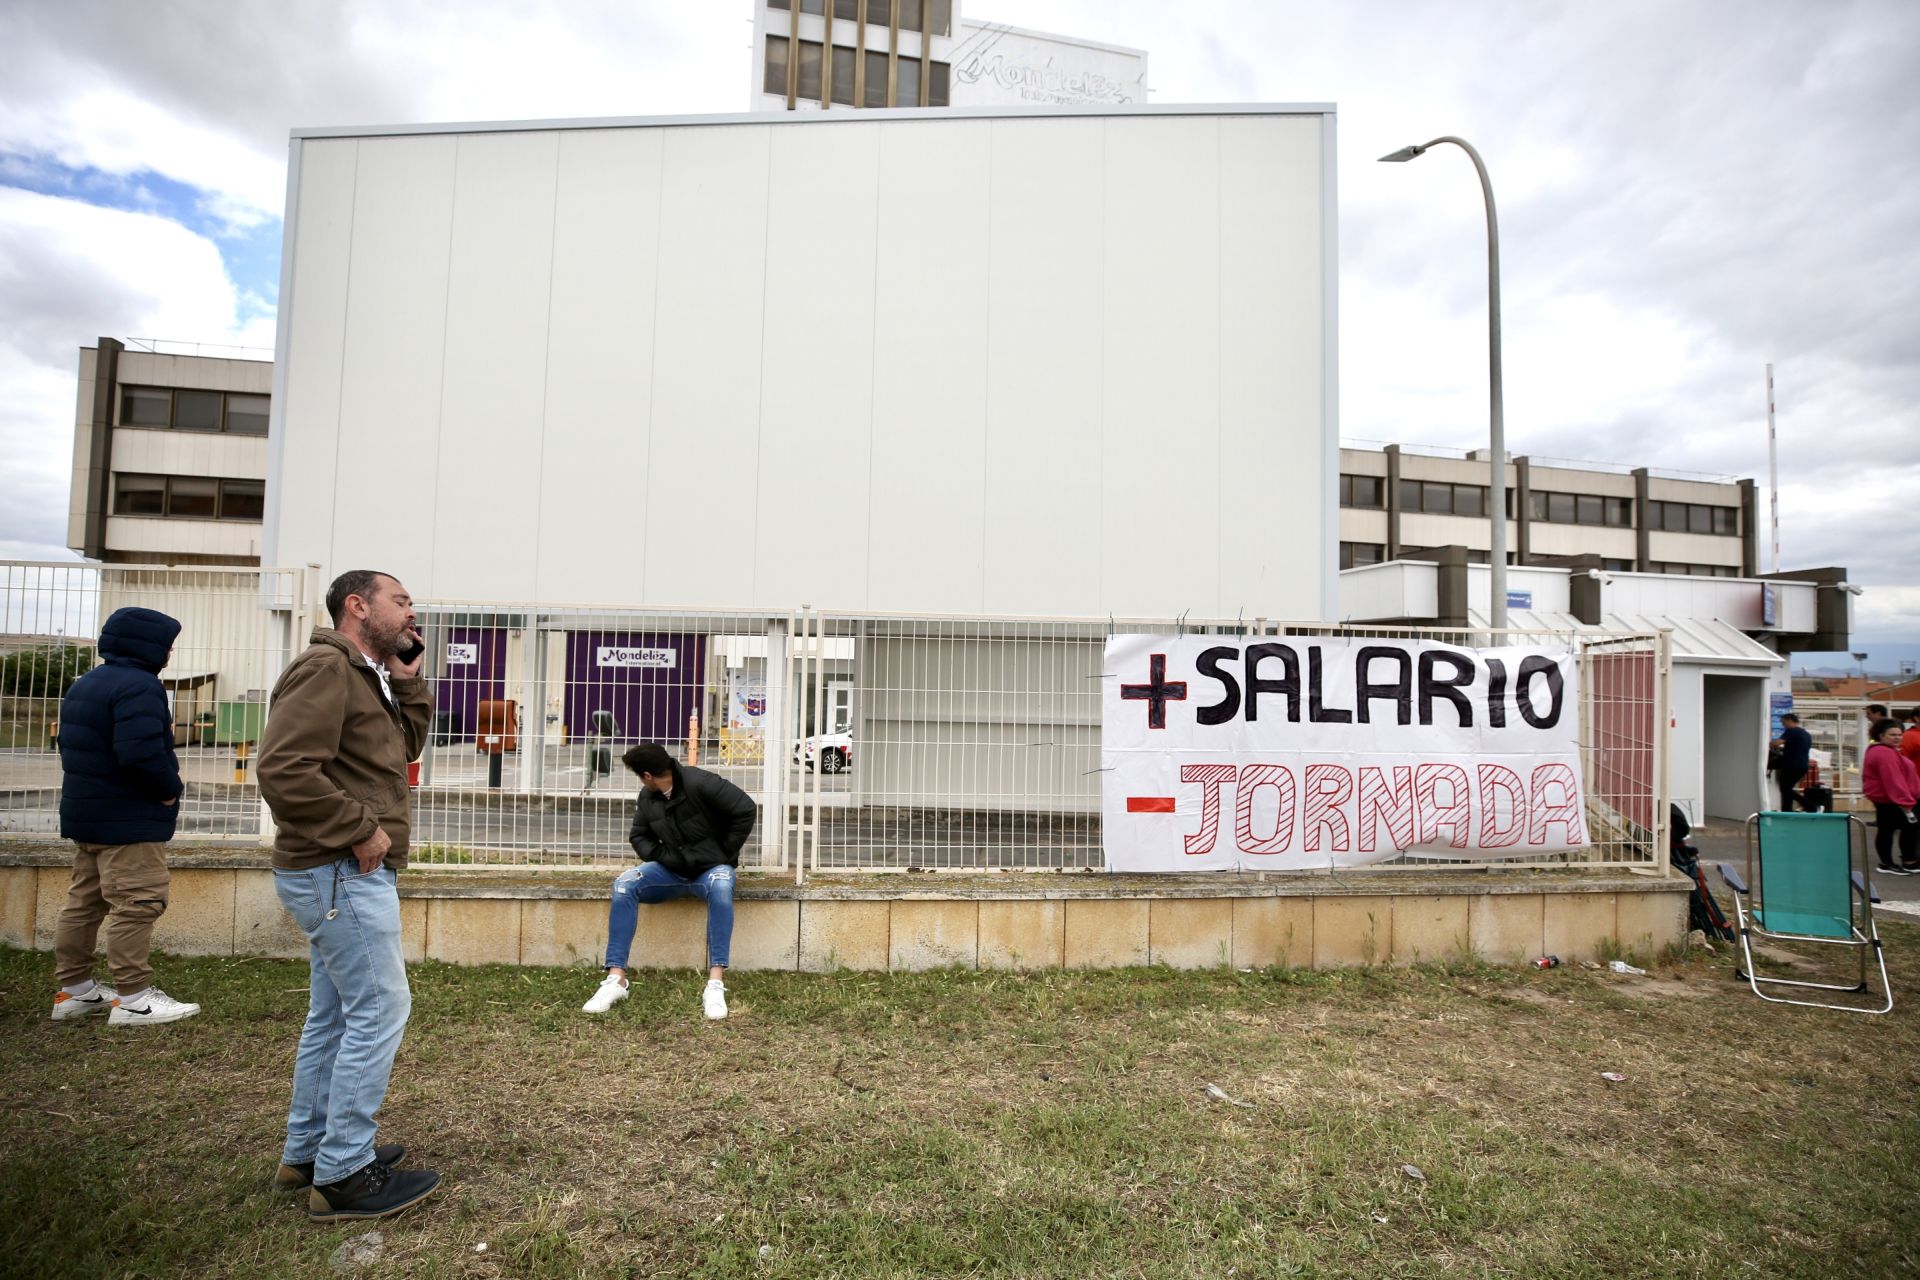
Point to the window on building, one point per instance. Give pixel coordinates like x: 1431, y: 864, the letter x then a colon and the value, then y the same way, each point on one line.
x: 909, y: 15
x: 1616, y: 566
x: 843, y: 63
x: 1366, y: 492
x: 776, y: 81
x: 1437, y: 497
x: 810, y: 55
x: 846, y: 10
x: 1354, y: 554
x: 879, y: 12
x: 188, y: 497
x: 193, y: 497
x: 243, y: 499
x: 1579, y: 508
x: 146, y: 407
x: 907, y: 86
x: 1694, y: 517
x: 876, y: 95
x: 196, y: 410
x: 939, y: 77
x: 247, y: 415
x: 139, y: 495
x: 187, y: 410
x: 939, y: 19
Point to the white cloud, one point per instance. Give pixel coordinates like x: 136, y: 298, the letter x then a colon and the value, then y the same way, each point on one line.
x: 70, y: 272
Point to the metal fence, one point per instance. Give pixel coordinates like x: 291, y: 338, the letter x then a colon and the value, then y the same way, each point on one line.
x: 870, y: 742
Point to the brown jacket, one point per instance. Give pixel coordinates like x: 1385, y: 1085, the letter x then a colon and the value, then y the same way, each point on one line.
x: 333, y: 760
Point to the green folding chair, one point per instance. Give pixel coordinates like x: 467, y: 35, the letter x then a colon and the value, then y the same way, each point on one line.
x: 1801, y: 885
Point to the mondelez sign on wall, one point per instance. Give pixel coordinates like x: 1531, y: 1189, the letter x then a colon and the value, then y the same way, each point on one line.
x: 922, y: 361
x: 1286, y: 753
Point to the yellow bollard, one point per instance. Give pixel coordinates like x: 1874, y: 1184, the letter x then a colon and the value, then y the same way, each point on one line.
x: 240, y: 761
x: 693, y: 737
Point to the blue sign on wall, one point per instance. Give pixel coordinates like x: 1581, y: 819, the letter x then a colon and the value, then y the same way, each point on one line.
x: 1769, y: 605
x: 1519, y: 599
x: 1778, y: 704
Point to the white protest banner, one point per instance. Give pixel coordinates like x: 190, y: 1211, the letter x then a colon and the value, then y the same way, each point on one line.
x: 1280, y: 753
x: 608, y: 655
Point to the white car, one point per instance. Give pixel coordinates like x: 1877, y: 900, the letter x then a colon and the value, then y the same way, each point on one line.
x: 834, y: 749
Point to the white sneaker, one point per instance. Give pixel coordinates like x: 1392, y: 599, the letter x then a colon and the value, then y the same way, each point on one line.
x: 158, y: 1007
x: 714, y: 999
x: 612, y: 991
x: 97, y: 1003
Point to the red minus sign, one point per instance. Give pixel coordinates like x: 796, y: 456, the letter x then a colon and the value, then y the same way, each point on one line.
x: 1150, y: 804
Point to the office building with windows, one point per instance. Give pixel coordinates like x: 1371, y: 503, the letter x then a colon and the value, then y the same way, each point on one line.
x: 169, y: 457
x: 1401, y: 502
x: 824, y: 55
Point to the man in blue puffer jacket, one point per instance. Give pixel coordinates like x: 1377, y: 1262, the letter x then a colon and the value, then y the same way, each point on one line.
x: 119, y: 797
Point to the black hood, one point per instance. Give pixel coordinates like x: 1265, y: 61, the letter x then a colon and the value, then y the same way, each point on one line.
x: 138, y: 638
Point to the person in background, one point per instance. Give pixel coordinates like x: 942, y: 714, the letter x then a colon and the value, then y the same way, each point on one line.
x: 1876, y: 716
x: 1910, y: 740
x: 1796, y: 751
x: 1890, y: 781
x: 688, y: 828
x: 119, y: 799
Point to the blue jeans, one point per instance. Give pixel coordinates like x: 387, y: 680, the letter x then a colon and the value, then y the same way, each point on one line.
x: 650, y: 883
x: 355, y: 1016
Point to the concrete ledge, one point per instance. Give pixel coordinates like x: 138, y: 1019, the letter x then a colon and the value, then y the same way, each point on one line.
x: 223, y: 903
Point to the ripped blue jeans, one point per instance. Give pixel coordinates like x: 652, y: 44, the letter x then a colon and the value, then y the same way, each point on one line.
x: 650, y: 883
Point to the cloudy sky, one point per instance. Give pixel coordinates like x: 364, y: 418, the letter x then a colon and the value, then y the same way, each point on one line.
x: 1688, y: 190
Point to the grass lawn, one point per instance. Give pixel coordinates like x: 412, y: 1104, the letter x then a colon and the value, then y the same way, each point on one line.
x: 1052, y: 1124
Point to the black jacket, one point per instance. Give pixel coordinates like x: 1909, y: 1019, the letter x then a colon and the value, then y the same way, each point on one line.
x: 705, y: 823
x: 116, y: 738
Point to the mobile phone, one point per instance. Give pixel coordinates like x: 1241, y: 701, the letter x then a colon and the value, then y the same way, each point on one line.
x: 415, y: 647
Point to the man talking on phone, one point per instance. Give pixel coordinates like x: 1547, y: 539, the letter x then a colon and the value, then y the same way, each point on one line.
x: 345, y: 718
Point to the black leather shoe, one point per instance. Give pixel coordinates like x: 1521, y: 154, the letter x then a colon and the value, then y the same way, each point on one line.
x: 298, y: 1177
x: 375, y: 1192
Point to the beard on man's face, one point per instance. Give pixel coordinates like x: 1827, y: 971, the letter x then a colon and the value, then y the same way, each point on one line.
x: 387, y: 638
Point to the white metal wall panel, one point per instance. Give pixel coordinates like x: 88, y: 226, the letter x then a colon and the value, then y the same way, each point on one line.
x: 817, y: 371
x: 930, y: 366
x: 1041, y: 542
x: 387, y: 485
x: 706, y: 367
x: 1270, y: 366
x: 600, y: 351
x: 493, y: 396
x: 306, y: 417
x: 958, y: 363
x: 1161, y: 519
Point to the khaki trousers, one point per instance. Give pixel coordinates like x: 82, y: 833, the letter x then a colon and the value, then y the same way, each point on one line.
x: 125, y: 885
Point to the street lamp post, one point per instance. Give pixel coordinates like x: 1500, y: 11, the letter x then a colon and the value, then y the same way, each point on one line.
x: 1497, y: 430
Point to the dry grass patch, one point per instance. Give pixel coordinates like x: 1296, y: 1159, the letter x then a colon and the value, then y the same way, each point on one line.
x: 1047, y: 1124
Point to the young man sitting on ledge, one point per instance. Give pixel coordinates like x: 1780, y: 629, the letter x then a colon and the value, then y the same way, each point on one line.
x: 688, y: 828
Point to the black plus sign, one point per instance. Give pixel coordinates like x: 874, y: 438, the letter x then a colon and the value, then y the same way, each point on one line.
x: 1157, y: 692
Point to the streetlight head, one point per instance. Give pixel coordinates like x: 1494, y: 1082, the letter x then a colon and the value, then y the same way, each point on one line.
x: 1403, y: 155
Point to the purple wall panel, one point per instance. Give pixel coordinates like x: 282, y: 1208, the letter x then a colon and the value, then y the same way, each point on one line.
x: 459, y: 689
x: 649, y: 703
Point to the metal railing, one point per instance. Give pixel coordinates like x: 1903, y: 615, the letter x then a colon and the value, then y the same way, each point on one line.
x: 869, y: 742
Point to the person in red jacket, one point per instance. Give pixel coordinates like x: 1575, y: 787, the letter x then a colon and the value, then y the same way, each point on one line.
x: 1910, y: 740
x: 1891, y: 782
